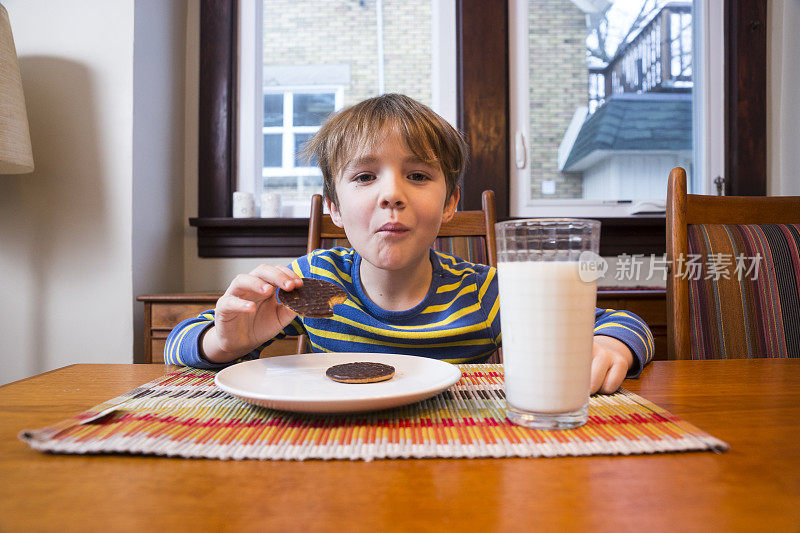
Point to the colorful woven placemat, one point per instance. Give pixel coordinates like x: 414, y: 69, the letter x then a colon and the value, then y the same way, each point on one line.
x: 184, y: 414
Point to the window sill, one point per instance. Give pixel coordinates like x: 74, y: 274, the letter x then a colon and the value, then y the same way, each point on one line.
x: 251, y: 237
x: 636, y: 234
x: 287, y: 237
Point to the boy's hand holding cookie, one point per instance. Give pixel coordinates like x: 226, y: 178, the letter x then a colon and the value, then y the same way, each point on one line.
x: 249, y: 314
x: 611, y: 360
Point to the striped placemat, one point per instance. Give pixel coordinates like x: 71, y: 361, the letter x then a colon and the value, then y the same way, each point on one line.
x: 184, y: 414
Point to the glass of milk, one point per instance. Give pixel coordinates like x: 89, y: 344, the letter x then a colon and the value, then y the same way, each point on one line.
x: 547, y: 318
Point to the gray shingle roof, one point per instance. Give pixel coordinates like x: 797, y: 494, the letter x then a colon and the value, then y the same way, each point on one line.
x: 651, y: 121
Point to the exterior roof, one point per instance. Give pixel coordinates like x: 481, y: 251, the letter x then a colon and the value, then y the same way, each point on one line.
x: 635, y: 122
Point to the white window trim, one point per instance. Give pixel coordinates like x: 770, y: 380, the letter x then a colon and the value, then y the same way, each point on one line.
x: 708, y: 120
x: 710, y: 93
x: 443, y: 64
x: 249, y: 144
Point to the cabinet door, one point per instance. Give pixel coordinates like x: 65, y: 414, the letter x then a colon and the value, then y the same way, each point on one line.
x: 166, y: 315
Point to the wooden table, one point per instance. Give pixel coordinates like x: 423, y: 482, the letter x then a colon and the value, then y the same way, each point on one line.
x: 754, y: 405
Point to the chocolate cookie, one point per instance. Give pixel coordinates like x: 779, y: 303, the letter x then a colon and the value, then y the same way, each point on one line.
x: 315, y: 299
x: 360, y: 372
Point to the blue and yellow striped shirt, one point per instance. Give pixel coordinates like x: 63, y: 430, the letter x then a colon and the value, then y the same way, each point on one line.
x: 458, y: 321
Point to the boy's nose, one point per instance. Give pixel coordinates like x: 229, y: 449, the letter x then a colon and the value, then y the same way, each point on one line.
x: 392, y: 195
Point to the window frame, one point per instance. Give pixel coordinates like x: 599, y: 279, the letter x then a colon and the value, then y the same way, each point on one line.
x: 288, y: 131
x: 483, y: 115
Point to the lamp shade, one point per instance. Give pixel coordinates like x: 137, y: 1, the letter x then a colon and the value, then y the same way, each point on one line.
x: 15, y: 138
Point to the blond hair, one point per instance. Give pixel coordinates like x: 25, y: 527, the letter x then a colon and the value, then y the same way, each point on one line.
x: 358, y: 128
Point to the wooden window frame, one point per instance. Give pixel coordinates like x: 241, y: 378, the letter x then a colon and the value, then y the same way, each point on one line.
x: 483, y: 115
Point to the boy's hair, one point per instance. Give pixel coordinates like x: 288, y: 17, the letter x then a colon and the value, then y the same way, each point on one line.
x: 354, y: 129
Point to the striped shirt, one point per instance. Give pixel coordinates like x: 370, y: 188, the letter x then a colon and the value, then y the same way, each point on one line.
x: 458, y: 320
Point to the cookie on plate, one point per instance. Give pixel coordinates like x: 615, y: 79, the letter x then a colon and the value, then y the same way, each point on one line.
x: 360, y: 372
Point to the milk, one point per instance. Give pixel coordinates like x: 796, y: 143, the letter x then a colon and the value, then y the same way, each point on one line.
x: 547, y: 322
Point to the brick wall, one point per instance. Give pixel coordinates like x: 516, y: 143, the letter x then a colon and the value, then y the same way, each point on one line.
x: 559, y: 84
x: 336, y: 32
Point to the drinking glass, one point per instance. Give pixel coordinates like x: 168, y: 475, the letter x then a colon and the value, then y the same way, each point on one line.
x: 547, y: 318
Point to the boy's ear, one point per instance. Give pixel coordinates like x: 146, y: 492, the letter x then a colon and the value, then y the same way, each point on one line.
x: 336, y: 216
x: 450, y: 206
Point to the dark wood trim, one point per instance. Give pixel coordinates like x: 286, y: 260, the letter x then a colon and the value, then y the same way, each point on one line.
x: 483, y: 99
x: 644, y: 235
x: 251, y: 237
x: 217, y: 107
x: 746, y: 97
x: 633, y: 235
x: 287, y: 237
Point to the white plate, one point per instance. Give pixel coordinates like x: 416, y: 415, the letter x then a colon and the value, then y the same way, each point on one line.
x: 298, y: 382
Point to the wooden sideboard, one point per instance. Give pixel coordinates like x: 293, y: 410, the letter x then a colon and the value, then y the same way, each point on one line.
x: 163, y: 311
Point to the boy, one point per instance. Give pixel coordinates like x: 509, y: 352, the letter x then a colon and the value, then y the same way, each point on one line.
x: 391, y: 168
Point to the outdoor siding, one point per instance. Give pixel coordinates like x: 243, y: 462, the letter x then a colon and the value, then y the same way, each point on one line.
x: 633, y: 175
x: 559, y: 84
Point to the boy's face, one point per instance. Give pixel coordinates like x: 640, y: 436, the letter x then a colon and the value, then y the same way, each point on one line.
x: 391, y: 204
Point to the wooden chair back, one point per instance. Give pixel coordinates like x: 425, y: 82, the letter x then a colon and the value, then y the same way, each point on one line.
x: 719, y: 220
x: 465, y: 224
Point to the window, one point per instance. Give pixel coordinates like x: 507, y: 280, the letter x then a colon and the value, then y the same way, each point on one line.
x: 297, y: 60
x: 483, y: 104
x: 603, y: 105
x: 291, y: 116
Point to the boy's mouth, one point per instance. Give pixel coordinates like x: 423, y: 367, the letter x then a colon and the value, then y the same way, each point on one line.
x: 393, y: 228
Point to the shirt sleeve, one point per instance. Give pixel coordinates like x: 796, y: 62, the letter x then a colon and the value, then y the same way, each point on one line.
x: 490, y: 303
x: 629, y: 329
x: 183, y: 342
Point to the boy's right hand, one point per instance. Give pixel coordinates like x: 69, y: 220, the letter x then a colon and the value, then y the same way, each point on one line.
x: 249, y: 314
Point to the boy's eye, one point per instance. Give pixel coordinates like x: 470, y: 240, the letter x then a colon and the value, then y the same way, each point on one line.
x: 417, y: 176
x: 363, y: 178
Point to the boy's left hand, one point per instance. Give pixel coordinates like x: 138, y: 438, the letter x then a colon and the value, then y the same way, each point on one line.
x: 611, y: 360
